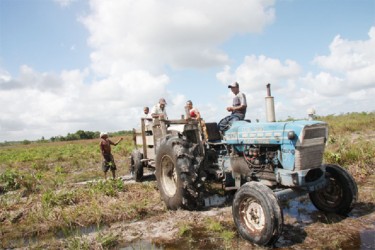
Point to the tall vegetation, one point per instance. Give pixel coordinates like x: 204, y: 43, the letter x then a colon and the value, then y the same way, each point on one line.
x: 351, y: 142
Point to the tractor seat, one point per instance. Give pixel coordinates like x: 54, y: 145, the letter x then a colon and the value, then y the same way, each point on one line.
x: 213, y: 133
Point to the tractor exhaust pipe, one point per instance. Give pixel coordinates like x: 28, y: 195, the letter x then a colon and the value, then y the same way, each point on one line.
x: 270, y: 105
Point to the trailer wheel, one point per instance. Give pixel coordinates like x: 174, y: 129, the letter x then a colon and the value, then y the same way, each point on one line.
x: 176, y: 176
x: 340, y: 194
x: 137, y: 165
x: 257, y: 214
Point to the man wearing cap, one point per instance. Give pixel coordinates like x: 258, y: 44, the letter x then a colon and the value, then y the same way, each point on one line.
x: 105, y: 149
x: 238, y: 108
x: 159, y: 111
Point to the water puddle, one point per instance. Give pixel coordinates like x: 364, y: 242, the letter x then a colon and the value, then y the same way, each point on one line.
x: 305, y: 212
x: 215, y: 201
x: 141, y: 244
x: 301, y: 209
x: 367, y: 239
x: 196, y: 238
x: 61, y: 234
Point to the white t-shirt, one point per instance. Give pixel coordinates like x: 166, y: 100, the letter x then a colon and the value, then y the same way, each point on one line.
x: 238, y: 100
x: 157, y: 110
x: 147, y: 122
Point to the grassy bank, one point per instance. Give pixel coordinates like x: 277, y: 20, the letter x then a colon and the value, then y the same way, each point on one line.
x: 351, y: 143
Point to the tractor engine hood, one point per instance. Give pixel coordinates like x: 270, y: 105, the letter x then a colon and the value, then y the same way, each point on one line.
x: 274, y: 133
x: 300, y: 143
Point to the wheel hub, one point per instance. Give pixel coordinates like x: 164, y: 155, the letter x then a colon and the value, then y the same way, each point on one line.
x: 253, y: 215
x: 168, y: 176
x: 332, y: 194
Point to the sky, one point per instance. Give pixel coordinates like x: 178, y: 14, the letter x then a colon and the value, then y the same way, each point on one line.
x: 69, y: 65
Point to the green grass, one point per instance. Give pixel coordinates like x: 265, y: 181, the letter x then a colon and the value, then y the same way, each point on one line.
x: 40, y: 184
x: 184, y: 229
x: 55, y: 164
x: 213, y: 225
x: 351, y: 142
x: 350, y: 123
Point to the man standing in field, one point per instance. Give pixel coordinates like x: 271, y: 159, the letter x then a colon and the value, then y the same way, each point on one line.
x: 108, y: 160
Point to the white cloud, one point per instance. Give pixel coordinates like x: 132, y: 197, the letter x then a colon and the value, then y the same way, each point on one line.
x: 355, y: 60
x: 4, y: 76
x: 255, y: 72
x: 324, y: 84
x: 42, y: 104
x: 345, y: 84
x: 146, y: 34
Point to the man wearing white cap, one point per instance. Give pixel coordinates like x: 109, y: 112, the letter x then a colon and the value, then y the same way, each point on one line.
x: 159, y: 111
x: 105, y: 149
x: 238, y: 108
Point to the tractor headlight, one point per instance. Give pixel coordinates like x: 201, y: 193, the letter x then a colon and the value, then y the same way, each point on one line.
x: 291, y: 135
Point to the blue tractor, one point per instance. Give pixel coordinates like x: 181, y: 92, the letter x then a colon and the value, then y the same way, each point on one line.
x: 263, y: 162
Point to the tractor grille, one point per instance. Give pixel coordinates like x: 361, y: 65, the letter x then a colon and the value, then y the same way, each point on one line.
x: 309, y: 157
x: 311, y: 133
x: 310, y: 149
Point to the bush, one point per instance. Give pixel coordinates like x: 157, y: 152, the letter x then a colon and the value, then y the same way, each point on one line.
x: 13, y: 180
x: 10, y: 179
x: 52, y: 199
x: 109, y: 188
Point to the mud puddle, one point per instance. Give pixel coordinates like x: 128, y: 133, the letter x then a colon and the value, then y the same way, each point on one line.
x: 305, y: 227
x: 300, y: 219
x: 194, y: 239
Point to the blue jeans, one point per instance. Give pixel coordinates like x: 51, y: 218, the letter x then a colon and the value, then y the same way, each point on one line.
x: 226, y: 122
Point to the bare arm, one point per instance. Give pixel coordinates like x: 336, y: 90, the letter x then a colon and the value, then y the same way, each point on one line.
x: 241, y: 107
x: 115, y: 143
x: 198, y: 114
x: 119, y: 141
x: 160, y: 116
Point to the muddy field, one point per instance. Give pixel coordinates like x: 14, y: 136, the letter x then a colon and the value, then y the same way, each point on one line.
x: 305, y: 227
x: 213, y: 228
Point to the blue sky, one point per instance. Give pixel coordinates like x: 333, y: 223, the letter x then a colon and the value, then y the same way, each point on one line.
x: 67, y: 65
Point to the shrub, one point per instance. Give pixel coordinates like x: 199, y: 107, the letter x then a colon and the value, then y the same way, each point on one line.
x: 51, y: 199
x: 109, y: 188
x: 11, y: 179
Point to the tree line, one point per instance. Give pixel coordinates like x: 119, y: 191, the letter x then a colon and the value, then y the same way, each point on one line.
x: 79, y: 135
x: 85, y: 135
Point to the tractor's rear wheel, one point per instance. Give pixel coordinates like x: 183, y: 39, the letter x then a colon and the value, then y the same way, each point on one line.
x: 340, y: 194
x: 176, y: 175
x: 257, y: 214
x: 137, y: 165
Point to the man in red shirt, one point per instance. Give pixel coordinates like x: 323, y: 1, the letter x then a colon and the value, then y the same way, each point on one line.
x: 108, y: 160
x: 196, y: 115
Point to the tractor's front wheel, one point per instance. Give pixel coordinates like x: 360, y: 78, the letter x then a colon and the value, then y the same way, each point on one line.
x: 176, y: 176
x: 340, y: 194
x: 257, y: 214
